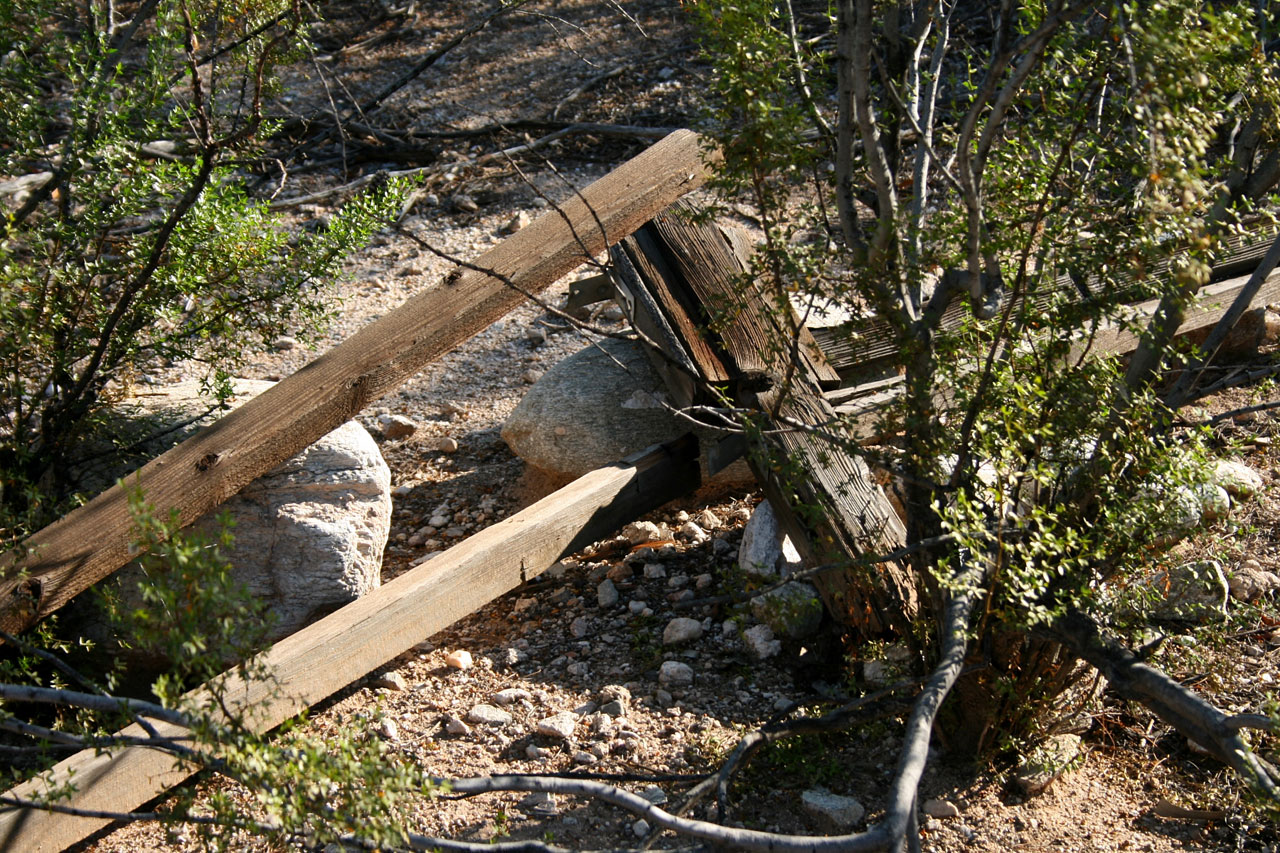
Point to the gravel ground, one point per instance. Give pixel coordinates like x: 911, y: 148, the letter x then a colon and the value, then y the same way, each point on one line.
x: 561, y: 682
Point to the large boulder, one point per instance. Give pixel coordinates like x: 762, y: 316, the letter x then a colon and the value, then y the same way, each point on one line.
x: 595, y: 407
x: 309, y: 535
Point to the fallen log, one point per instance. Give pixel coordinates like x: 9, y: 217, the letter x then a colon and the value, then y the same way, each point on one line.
x: 93, y: 541
x: 329, y: 654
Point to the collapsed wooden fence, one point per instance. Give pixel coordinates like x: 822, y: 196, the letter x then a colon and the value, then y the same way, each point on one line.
x: 668, y: 271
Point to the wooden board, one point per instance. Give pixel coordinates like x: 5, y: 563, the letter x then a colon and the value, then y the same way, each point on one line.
x: 332, y: 653
x: 832, y: 509
x: 858, y: 350
x: 93, y: 541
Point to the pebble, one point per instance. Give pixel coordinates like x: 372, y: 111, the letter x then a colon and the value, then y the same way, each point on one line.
x: 454, y: 726
x: 488, y: 715
x: 613, y: 709
x: 637, y: 606
x: 531, y: 376
x: 640, y: 828
x: 445, y: 445
x: 438, y: 521
x: 459, y: 659
x: 580, y: 627
x: 940, y: 809
x: 654, y: 794
x: 392, y: 681
x: 560, y: 725
x: 388, y: 729
x: 682, y: 629
x: 537, y: 753
x: 840, y: 812
x: 620, y: 572
x: 641, y: 532
x: 692, y: 532
x: 464, y: 203
x: 708, y: 520
x: 397, y: 426
x: 511, y: 695
x: 674, y: 674
x: 613, y: 314
x: 515, y: 223
x: 652, y: 571
x: 584, y: 757
x: 284, y: 344
x: 606, y: 594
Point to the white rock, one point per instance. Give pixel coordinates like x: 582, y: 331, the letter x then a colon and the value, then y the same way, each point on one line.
x: 708, y: 520
x: 606, y: 594
x: 693, y: 533
x: 682, y: 629
x: 675, y: 675
x: 388, y: 729
x: 840, y: 812
x: 940, y: 809
x: 511, y: 695
x: 640, y: 828
x: 1240, y: 480
x: 765, y: 550
x: 488, y: 715
x: 561, y: 725
x: 459, y: 659
x: 309, y: 534
x: 454, y: 726
x: 392, y: 681
x: 584, y: 757
x: 653, y: 571
x: 642, y: 532
x: 760, y: 642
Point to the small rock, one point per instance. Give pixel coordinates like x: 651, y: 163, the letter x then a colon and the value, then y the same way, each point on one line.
x: 511, y: 695
x: 794, y: 610
x: 464, y: 203
x: 559, y: 725
x: 675, y: 675
x: 580, y: 627
x: 437, y: 521
x: 614, y: 693
x: 620, y: 572
x: 454, y: 726
x: 682, y: 629
x: 655, y: 795
x: 663, y: 698
x: 641, y: 532
x: 653, y: 571
x: 765, y: 550
x: 708, y: 520
x: 760, y: 642
x: 488, y: 715
x: 940, y: 809
x: 840, y: 812
x: 284, y: 343
x: 614, y: 709
x: 459, y: 659
x: 1237, y: 478
x: 392, y: 681
x: 515, y: 223
x: 531, y: 376
x: 640, y: 828
x: 578, y: 668
x: 613, y: 314
x: 537, y: 753
x: 1249, y: 581
x: 606, y: 594
x: 539, y: 802
x: 637, y: 606
x: 397, y: 426
x: 693, y: 533
x: 1192, y: 592
x: 445, y: 444
x: 388, y: 729
x: 584, y: 757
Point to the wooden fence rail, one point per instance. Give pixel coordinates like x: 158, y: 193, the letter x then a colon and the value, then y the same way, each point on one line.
x: 93, y: 541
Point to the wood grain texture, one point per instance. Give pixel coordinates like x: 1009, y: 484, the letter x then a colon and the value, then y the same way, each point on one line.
x: 93, y: 541
x: 825, y: 496
x: 335, y: 651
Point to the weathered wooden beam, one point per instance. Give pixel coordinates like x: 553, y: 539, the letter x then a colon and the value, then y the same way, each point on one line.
x: 328, y: 655
x: 832, y: 508
x: 93, y: 541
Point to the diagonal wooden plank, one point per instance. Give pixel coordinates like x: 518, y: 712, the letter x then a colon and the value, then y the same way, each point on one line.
x: 93, y: 541
x: 328, y: 655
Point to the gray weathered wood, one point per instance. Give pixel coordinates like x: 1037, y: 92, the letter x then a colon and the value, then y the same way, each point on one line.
x: 829, y: 503
x: 330, y: 654
x: 93, y: 541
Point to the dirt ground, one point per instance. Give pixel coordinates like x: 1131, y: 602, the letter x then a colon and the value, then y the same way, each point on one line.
x: 551, y: 645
